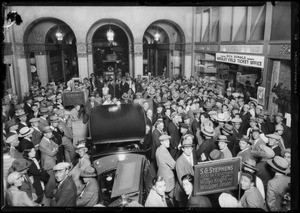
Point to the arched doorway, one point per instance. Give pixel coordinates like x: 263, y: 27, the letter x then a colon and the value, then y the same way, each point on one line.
x: 117, y: 54
x: 163, y: 48
x: 110, y: 56
x: 52, y: 55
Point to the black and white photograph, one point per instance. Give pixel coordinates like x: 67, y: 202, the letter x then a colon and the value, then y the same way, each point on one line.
x: 125, y: 106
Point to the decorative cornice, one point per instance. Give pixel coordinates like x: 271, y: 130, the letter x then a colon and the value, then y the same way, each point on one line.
x: 188, y: 48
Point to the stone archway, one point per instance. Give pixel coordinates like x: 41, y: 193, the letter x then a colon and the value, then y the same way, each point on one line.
x: 51, y: 58
x: 102, y: 24
x: 165, y: 56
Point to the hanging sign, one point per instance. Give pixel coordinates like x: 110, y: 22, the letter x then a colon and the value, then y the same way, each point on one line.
x: 245, y: 60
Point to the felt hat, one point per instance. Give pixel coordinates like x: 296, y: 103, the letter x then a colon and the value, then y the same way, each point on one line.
x: 12, y: 138
x: 20, y: 164
x: 39, y: 98
x: 187, y: 136
x: 207, y: 105
x: 167, y: 103
x: 288, y: 150
x: 279, y: 164
x: 253, y: 119
x: 108, y: 96
x: 164, y: 137
x: 227, y: 128
x: 279, y: 127
x: 25, y: 131
x: 256, y: 129
x: 125, y: 96
x: 274, y: 136
x: 212, y: 113
x: 245, y: 139
x: 12, y: 177
x: 33, y: 120
x: 197, y: 111
x: 151, y: 92
x: 250, y: 163
x: 138, y: 94
x: 185, y: 117
x: 260, y: 116
x: 54, y: 119
x: 216, y: 154
x: 88, y: 172
x: 60, y: 112
x: 279, y: 115
x: 235, y: 94
x: 174, y: 114
x: 222, y: 138
x: 184, y: 125
x: 10, y: 123
x: 44, y: 110
x: 20, y: 113
x: 61, y: 166
x: 81, y: 145
x: 208, y: 130
x: 175, y: 95
x: 47, y: 129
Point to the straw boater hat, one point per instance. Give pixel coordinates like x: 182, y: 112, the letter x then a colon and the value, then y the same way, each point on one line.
x: 187, y: 143
x: 81, y: 145
x: 25, y: 131
x: 152, y: 92
x: 222, y: 138
x: 44, y: 110
x: 61, y: 166
x: 184, y: 125
x: 138, y: 94
x: 236, y: 119
x: 88, y: 172
x: 254, y: 119
x: 221, y: 118
x: 207, y: 105
x: 255, y: 129
x: 54, y: 119
x: 279, y: 115
x: 279, y: 127
x: 279, y: 164
x: 175, y: 96
x: 226, y: 200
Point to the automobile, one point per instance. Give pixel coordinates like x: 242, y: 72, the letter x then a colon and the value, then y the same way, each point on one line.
x: 115, y: 135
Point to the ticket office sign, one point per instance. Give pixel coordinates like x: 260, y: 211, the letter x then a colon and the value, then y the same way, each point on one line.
x: 244, y: 60
x: 216, y: 176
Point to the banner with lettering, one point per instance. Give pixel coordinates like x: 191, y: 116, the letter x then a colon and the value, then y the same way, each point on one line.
x: 245, y: 60
x: 216, y: 176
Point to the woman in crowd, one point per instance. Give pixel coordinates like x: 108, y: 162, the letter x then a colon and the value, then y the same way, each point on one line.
x: 194, y: 201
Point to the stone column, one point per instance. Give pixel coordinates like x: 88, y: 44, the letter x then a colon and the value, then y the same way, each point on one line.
x: 41, y: 66
x: 188, y: 60
x: 21, y: 71
x: 138, y: 59
x: 130, y: 60
x: 90, y: 59
x: 171, y: 63
x: 82, y: 60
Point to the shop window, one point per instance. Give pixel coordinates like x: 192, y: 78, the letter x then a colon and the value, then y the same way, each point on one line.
x: 239, y: 24
x: 258, y: 18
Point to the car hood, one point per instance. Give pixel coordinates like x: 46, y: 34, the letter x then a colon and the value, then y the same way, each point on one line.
x: 117, y: 123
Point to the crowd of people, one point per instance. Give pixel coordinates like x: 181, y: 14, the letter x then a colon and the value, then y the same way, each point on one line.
x: 188, y: 121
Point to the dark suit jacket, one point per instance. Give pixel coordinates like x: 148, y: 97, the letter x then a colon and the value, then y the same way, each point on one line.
x: 245, y: 123
x: 175, y: 138
x: 66, y: 194
x: 155, y: 142
x: 57, y: 138
x: 206, y: 147
x: 124, y: 88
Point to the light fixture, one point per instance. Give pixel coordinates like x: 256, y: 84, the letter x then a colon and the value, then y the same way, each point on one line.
x: 156, y: 36
x: 110, y: 34
x: 59, y: 35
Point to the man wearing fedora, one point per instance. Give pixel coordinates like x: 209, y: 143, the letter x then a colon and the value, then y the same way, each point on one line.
x: 184, y: 165
x: 245, y: 147
x: 166, y: 164
x: 44, y: 113
x: 174, y: 132
x: 65, y: 193
x: 223, y: 146
x: 286, y: 135
x: 233, y: 145
x: 264, y: 171
x: 273, y: 141
x: 245, y: 116
x: 90, y: 195
x: 11, y: 127
x: 22, y: 165
x: 48, y: 150
x: 57, y: 138
x: 14, y: 150
x: 156, y: 133
x: 37, y: 134
x: 34, y: 113
x: 256, y: 139
x: 208, y: 144
x: 279, y: 184
x: 25, y: 135
x: 22, y: 116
